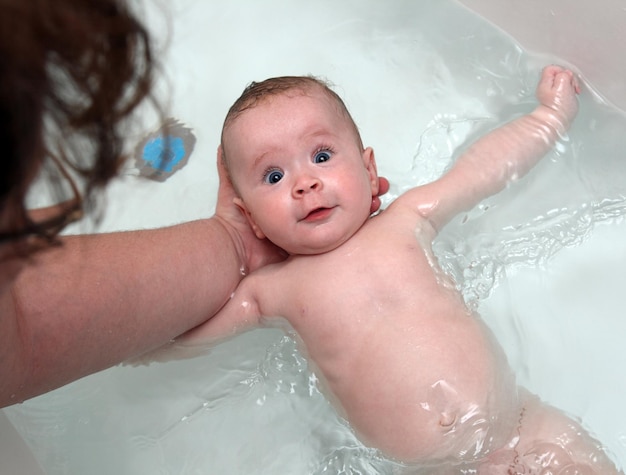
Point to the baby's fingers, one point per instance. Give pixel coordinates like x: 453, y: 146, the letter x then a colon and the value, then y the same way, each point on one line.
x: 566, y: 79
x: 574, y: 82
x: 556, y: 78
x: 557, y: 91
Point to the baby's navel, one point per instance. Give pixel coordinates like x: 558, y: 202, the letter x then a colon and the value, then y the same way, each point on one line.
x: 447, y: 419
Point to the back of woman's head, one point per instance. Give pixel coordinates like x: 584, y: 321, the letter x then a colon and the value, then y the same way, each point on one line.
x: 71, y: 71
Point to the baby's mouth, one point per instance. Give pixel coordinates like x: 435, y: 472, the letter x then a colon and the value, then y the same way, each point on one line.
x: 318, y: 214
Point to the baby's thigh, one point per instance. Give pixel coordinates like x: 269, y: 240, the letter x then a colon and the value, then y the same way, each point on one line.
x: 548, y: 441
x: 549, y: 438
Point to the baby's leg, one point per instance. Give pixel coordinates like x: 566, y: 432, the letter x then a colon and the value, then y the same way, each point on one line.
x: 549, y: 442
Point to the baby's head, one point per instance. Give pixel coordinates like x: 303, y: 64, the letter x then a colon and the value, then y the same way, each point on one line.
x: 257, y: 92
x: 297, y: 162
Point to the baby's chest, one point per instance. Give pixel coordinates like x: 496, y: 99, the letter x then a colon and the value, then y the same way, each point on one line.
x: 368, y: 279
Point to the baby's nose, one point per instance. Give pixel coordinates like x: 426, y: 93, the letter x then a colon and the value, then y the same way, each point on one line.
x: 307, y: 184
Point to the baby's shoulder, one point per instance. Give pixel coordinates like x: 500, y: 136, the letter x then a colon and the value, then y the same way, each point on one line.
x: 417, y: 208
x: 408, y: 212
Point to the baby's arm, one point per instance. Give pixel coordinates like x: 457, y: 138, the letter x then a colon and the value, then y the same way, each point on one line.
x: 504, y: 154
x: 240, y: 313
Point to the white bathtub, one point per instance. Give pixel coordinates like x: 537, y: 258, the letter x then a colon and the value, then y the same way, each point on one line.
x: 578, y: 293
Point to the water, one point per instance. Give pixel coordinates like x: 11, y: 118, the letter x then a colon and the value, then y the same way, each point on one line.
x: 421, y: 79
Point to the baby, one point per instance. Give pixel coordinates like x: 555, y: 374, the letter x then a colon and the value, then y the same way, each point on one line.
x: 415, y: 374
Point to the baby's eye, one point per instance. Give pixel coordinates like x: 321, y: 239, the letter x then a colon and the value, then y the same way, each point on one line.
x: 321, y: 156
x: 273, y: 176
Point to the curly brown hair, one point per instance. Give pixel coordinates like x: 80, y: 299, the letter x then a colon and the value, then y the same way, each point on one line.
x: 71, y: 71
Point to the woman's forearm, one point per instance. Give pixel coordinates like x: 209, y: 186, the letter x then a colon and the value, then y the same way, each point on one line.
x: 100, y: 299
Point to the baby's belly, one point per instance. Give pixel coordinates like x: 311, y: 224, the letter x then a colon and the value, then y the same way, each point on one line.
x: 441, y: 390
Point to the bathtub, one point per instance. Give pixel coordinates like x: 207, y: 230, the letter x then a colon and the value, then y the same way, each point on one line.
x: 557, y: 309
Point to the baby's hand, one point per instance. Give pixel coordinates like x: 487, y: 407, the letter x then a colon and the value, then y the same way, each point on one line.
x: 557, y: 91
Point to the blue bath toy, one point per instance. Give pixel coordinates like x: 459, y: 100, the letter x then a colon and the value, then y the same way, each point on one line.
x: 163, y: 152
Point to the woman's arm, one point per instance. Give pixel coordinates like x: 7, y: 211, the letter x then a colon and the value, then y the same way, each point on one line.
x: 97, y: 300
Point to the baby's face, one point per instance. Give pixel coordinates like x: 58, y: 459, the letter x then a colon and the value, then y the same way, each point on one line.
x: 304, y: 180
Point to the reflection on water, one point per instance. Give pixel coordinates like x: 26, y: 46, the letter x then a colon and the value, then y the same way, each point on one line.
x: 421, y: 79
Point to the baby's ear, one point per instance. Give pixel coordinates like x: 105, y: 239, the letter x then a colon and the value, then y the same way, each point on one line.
x: 244, y: 209
x: 370, y: 165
